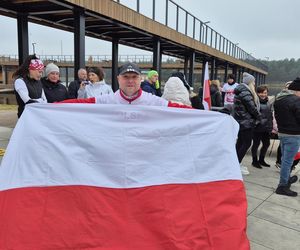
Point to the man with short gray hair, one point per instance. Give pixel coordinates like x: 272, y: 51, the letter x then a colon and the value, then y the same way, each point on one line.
x: 75, y: 85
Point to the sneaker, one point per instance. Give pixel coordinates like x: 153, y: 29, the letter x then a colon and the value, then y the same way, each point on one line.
x: 285, y: 190
x: 244, y: 170
x: 264, y: 164
x: 256, y: 164
x: 278, y: 165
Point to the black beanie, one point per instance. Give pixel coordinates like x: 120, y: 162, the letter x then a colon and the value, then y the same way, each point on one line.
x: 295, y: 85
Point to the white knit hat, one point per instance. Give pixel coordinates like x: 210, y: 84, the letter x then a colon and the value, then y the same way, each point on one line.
x: 175, y: 91
x: 51, y: 67
x: 247, y: 78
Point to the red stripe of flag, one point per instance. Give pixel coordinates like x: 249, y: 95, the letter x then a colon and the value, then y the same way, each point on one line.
x: 163, y: 217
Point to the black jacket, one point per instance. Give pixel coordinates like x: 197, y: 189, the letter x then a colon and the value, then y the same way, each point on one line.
x: 245, y: 110
x: 73, y: 89
x: 266, y: 118
x: 287, y: 113
x: 216, y: 97
x: 55, y: 92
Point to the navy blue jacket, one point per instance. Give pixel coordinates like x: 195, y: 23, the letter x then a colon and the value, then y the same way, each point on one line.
x: 147, y: 87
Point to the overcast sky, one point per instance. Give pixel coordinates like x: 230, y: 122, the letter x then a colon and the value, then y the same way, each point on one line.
x: 264, y: 28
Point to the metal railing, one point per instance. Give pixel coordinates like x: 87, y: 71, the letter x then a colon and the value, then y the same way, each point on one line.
x: 91, y: 58
x: 184, y: 22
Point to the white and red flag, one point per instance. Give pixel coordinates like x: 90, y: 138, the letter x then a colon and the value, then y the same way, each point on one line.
x: 122, y: 177
x: 206, y: 100
x: 297, y: 156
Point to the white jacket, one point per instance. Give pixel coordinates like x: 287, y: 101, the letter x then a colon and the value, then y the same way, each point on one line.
x: 94, y: 90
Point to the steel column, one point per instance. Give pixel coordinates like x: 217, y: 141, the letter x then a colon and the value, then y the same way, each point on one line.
x: 194, y: 27
x: 234, y: 71
x: 203, y: 73
x: 157, y: 56
x: 167, y: 12
x: 4, y: 75
x: 67, y: 77
x: 185, y: 68
x: 216, y: 72
x: 177, y: 17
x: 153, y: 10
x: 191, y: 68
x: 114, y: 65
x: 212, y: 69
x: 23, y: 49
x: 186, y: 23
x: 259, y: 78
x: 238, y: 78
x: 226, y: 72
x: 200, y: 32
x: 79, y: 40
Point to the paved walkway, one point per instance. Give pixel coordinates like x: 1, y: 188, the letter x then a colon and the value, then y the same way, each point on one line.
x: 273, y: 220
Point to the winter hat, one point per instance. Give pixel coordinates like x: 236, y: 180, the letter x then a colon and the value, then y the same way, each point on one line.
x: 295, y: 85
x: 51, y: 67
x: 152, y: 73
x: 175, y: 91
x: 36, y: 64
x: 181, y: 76
x: 247, y: 78
x: 98, y: 71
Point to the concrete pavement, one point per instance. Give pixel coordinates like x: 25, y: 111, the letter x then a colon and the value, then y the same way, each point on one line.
x: 273, y: 220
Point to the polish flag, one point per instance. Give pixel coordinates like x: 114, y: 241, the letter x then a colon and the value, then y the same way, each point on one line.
x: 206, y: 100
x: 122, y: 177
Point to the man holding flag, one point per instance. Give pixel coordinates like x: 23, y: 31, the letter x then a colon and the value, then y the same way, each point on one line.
x: 103, y: 189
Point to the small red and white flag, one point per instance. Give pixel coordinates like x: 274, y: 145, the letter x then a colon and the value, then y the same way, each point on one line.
x: 297, y: 156
x: 122, y: 177
x: 206, y: 100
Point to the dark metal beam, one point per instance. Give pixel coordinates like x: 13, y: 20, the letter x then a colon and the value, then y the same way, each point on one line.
x: 156, y: 53
x: 203, y: 72
x: 79, y: 40
x: 186, y: 65
x: 238, y: 77
x: 212, y: 68
x: 47, y: 12
x: 216, y: 72
x: 226, y: 72
x: 157, y: 56
x: 114, y: 66
x: 234, y: 71
x: 23, y: 49
x: 191, y: 67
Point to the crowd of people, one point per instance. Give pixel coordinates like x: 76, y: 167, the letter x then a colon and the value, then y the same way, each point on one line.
x: 259, y: 118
